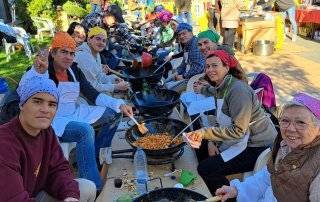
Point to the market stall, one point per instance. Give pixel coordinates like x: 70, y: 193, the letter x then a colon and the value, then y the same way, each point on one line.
x: 308, y: 20
x: 254, y: 27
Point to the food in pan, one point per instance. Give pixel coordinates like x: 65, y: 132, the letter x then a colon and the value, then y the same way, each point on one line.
x: 156, y: 141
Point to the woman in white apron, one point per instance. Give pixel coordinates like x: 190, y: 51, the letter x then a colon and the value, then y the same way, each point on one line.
x: 196, y: 102
x: 242, y: 129
x: 74, y: 121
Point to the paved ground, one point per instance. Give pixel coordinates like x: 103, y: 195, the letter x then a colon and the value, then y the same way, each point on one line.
x: 294, y: 68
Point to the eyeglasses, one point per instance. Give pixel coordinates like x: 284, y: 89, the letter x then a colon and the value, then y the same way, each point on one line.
x: 298, y: 124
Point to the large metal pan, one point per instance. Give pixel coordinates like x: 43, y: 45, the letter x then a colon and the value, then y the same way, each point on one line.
x: 138, y: 76
x: 156, y: 102
x: 158, y: 125
x: 171, y: 194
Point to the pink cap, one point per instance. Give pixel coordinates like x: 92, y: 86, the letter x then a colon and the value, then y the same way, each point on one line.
x: 312, y: 103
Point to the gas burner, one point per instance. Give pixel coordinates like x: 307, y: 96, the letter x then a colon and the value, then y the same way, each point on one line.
x: 152, y: 160
x: 160, y: 160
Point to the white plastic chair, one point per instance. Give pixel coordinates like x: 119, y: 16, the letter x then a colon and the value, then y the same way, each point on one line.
x: 66, y: 148
x: 9, y: 49
x: 43, y: 25
x: 190, y: 88
x: 262, y: 160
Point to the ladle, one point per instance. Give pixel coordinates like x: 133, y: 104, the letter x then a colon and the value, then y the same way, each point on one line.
x: 180, y: 133
x: 160, y: 66
x: 121, y: 75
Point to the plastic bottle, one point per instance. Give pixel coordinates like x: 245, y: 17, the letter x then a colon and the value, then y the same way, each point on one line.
x: 141, y: 171
x: 4, y: 88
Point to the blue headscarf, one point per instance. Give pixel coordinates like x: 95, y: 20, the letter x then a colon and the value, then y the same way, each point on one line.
x: 158, y: 8
x: 36, y: 85
x: 184, y: 26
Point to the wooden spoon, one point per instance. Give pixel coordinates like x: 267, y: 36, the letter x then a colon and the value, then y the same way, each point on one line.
x: 212, y: 199
x: 141, y: 127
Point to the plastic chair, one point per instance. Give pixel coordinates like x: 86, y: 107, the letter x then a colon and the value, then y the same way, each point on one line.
x: 8, y: 48
x: 43, y: 25
x: 190, y: 88
x: 66, y: 148
x: 192, y: 80
x: 262, y: 160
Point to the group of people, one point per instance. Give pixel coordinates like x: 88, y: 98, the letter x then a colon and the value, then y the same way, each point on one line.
x: 67, y: 96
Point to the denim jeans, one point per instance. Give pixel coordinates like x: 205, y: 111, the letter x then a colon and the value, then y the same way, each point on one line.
x: 83, y: 134
x: 89, y: 144
x: 229, y: 36
x: 292, y: 17
x: 106, y: 126
x: 87, y: 192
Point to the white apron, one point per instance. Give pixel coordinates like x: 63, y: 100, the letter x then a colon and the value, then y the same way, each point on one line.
x: 70, y: 109
x: 197, y: 103
x: 229, y: 148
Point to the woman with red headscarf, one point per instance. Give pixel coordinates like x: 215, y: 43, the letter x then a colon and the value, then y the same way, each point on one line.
x: 242, y: 130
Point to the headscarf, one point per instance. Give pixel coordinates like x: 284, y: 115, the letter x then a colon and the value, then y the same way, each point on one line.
x: 97, y: 31
x: 151, y: 16
x: 184, y: 26
x: 63, y: 40
x: 36, y: 85
x: 312, y: 103
x: 165, y: 16
x: 209, y: 34
x: 226, y: 58
x: 158, y: 8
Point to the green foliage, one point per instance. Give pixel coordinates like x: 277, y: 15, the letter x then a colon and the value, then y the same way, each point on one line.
x: 74, y: 9
x: 41, y: 8
x: 88, y: 8
x: 23, y: 16
x: 18, y: 63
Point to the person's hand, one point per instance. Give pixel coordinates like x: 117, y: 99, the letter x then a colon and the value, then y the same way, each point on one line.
x: 194, y: 138
x: 118, y: 80
x: 178, y: 77
x: 41, y: 61
x: 169, y: 57
x: 197, y: 87
x: 122, y: 86
x: 212, y: 149
x: 227, y: 192
x: 126, y: 109
x: 106, y: 69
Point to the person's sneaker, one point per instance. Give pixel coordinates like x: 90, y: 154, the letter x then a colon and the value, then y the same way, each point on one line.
x: 294, y: 38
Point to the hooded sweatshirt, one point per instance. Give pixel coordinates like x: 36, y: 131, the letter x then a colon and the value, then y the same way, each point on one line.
x: 92, y: 69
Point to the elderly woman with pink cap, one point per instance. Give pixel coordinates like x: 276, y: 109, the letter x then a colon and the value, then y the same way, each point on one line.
x: 242, y: 129
x: 292, y: 174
